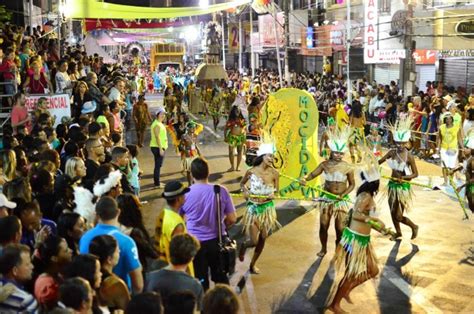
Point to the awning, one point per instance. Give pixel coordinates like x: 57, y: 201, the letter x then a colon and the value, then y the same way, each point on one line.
x: 92, y: 47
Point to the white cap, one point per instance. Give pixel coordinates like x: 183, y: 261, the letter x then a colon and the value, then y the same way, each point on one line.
x: 4, y: 202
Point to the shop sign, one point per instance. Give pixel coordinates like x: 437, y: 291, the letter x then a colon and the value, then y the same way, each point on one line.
x: 465, y: 29
x: 371, y: 30
x: 391, y: 56
x: 425, y: 56
x: 443, y: 54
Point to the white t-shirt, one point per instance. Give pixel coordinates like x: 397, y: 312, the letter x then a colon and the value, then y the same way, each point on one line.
x: 114, y: 94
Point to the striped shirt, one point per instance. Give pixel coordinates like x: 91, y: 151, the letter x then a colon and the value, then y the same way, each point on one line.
x: 19, y: 301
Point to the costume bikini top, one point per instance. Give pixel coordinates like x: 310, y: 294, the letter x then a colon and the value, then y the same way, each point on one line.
x: 335, y: 176
x: 258, y: 187
x: 401, y: 166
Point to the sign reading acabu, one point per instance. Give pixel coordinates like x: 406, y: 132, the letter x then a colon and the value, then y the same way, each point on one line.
x: 371, y: 31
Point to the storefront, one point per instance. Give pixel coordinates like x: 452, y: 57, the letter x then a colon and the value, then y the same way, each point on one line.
x: 457, y: 68
x: 425, y: 67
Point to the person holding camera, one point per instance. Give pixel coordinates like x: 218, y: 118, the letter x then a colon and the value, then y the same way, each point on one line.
x: 200, y: 209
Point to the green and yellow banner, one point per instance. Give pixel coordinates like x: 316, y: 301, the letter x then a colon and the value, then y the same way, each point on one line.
x: 290, y: 118
x: 84, y: 9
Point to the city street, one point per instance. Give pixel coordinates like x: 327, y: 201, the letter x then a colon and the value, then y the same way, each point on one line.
x: 432, y: 274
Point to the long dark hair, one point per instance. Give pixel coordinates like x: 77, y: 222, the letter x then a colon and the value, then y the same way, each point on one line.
x: 46, y: 250
x: 235, y: 113
x: 103, y: 247
x: 258, y: 161
x: 66, y: 223
x: 356, y: 109
x: 369, y: 187
x: 130, y: 214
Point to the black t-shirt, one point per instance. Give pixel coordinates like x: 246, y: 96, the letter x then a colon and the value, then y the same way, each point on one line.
x: 91, y: 169
x: 168, y: 282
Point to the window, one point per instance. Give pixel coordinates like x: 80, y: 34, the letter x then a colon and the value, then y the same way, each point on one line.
x: 384, y: 6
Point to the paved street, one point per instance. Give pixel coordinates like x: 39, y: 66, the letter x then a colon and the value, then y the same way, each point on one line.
x: 432, y: 274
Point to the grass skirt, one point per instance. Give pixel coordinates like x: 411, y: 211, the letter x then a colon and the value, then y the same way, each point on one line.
x: 351, y: 260
x: 401, y: 192
x: 328, y: 204
x: 235, y: 140
x: 263, y: 214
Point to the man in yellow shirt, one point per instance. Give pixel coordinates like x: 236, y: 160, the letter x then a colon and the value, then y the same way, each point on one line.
x: 169, y: 223
x: 158, y: 144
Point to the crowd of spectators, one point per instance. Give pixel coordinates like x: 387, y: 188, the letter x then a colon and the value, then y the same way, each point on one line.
x: 72, y: 234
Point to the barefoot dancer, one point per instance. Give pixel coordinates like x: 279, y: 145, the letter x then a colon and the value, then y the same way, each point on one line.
x: 324, y: 150
x: 189, y: 149
x: 354, y: 252
x: 260, y: 217
x: 339, y: 180
x: 469, y: 169
x: 404, y: 169
x: 235, y: 136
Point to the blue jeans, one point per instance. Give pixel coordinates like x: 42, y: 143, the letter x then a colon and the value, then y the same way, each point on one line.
x: 158, y: 163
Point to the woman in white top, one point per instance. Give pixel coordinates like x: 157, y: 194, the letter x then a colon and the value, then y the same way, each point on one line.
x: 260, y: 218
x: 404, y: 169
x: 63, y: 82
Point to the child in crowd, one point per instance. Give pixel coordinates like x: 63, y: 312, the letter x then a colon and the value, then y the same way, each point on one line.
x: 374, y: 140
x: 135, y: 173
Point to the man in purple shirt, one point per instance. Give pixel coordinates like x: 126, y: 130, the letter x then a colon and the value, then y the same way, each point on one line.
x: 201, y: 221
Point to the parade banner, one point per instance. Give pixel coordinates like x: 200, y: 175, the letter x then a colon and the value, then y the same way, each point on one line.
x: 233, y: 36
x: 58, y: 105
x: 290, y: 118
x: 95, y: 9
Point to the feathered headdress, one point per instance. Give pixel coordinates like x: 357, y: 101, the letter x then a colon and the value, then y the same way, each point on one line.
x: 267, y: 146
x: 338, y: 139
x: 104, y: 185
x: 84, y: 200
x: 369, y: 169
x: 401, y: 130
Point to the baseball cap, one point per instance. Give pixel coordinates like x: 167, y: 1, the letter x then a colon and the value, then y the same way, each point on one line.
x: 4, y: 202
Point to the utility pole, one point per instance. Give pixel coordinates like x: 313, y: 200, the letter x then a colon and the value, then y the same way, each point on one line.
x: 277, y: 42
x: 223, y: 40
x: 348, y: 50
x: 287, y: 39
x: 240, y: 44
x: 252, y: 59
x: 408, y: 64
x: 31, y: 17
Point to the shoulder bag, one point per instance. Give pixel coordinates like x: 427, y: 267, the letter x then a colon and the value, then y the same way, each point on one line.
x: 227, y: 246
